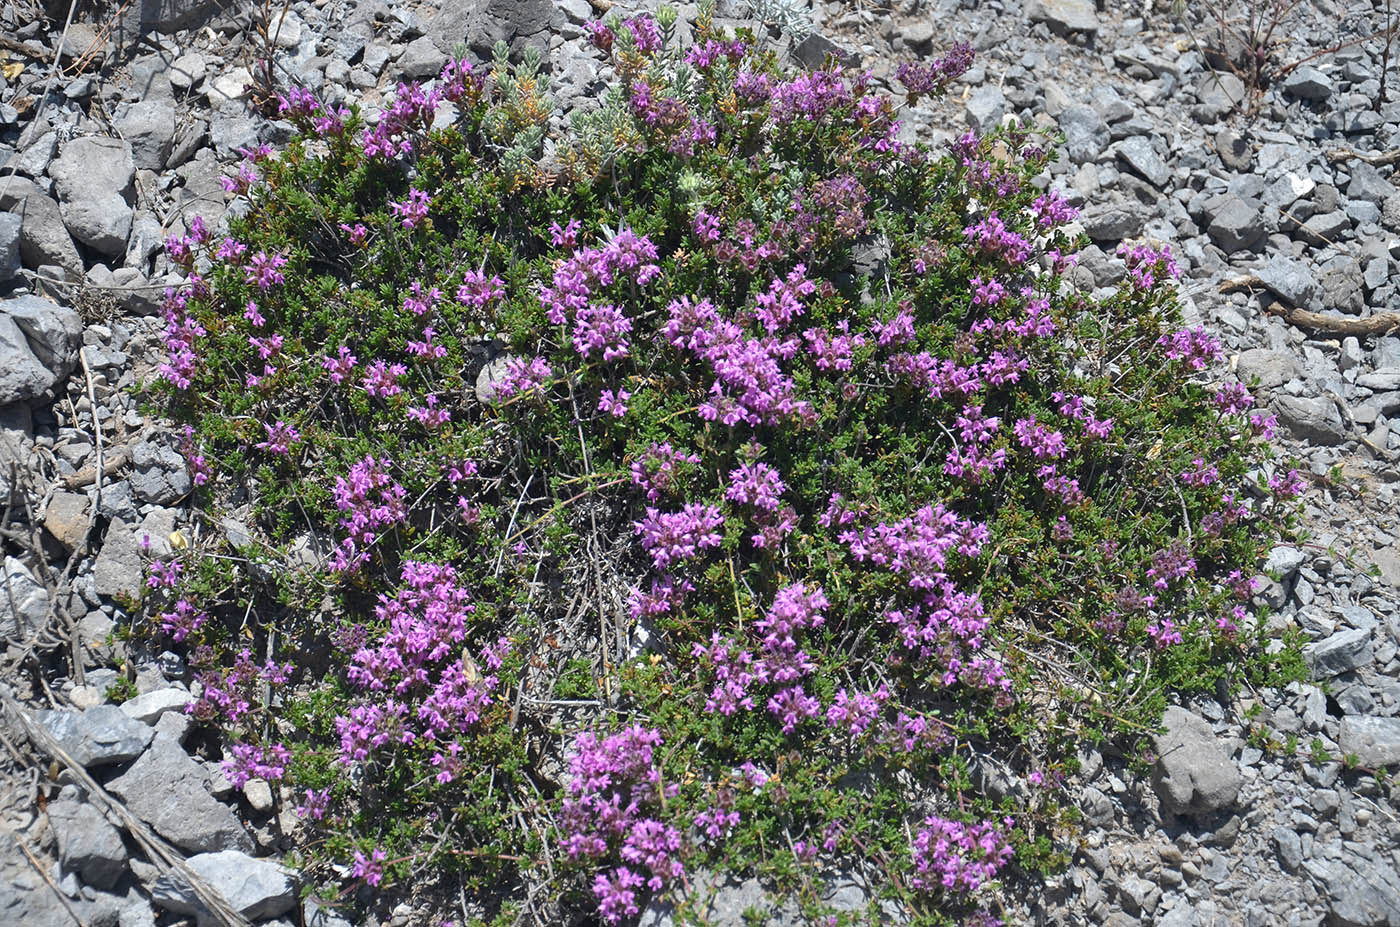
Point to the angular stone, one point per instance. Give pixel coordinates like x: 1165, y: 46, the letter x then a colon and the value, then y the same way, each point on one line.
x: 159, y: 475
x: 1380, y: 380
x: 66, y: 518
x: 119, y: 570
x: 1284, y: 561
x: 1291, y: 281
x: 149, y: 126
x: 1065, y: 16
x: 1111, y: 222
x: 1308, y: 83
x: 1235, y: 223
x: 10, y: 263
x: 1086, y: 133
x: 24, y: 602
x: 100, y: 736
x: 1311, y: 419
x: 93, y: 179
x: 1272, y: 368
x: 1340, y: 653
x: 1359, y: 890
x: 43, y: 237
x: 169, y: 790
x: 39, y: 342
x: 187, y: 71
x: 256, y: 888
x: 1368, y: 184
x: 1375, y: 741
x: 985, y: 108
x: 1193, y: 773
x: 149, y: 707
x: 422, y: 58
x: 1326, y: 229
x: 87, y: 843
x: 1137, y: 152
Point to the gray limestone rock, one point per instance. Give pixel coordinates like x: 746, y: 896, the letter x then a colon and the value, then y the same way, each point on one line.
x: 24, y: 602
x: 1193, y: 773
x: 1325, y: 229
x: 1065, y: 16
x: 1367, y: 184
x: 10, y: 262
x: 43, y: 237
x: 1340, y: 653
x: 1140, y: 157
x: 1361, y: 890
x: 119, y: 570
x: 985, y: 108
x: 158, y: 474
x: 1111, y: 222
x: 87, y: 843
x: 39, y: 342
x: 149, y: 126
x: 1236, y: 223
x: 1272, y: 368
x: 93, y: 179
x: 100, y: 736
x: 170, y: 791
x: 1308, y: 83
x: 256, y: 888
x: 422, y: 58
x: 1374, y: 740
x: 1291, y: 281
x: 148, y: 708
x: 1311, y: 419
x: 1086, y: 133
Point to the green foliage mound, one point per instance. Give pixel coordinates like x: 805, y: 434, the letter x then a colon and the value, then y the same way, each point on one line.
x: 726, y: 487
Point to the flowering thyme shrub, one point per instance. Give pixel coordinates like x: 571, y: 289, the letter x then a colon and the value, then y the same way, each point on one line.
x: 737, y: 490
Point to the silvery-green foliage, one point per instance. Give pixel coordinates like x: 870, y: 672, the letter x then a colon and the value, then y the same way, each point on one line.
x: 792, y: 16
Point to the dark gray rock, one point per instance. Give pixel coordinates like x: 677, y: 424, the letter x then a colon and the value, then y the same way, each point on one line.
x: 1139, y: 155
x: 1219, y: 93
x: 724, y: 903
x: 1193, y: 773
x: 119, y: 569
x: 1065, y: 16
x: 1236, y: 223
x: 43, y: 237
x: 985, y: 108
x: 24, y: 601
x: 159, y: 475
x: 1325, y: 229
x: 1360, y: 890
x: 1367, y: 184
x: 1271, y: 367
x: 483, y: 23
x: 1383, y: 380
x: 1374, y: 740
x: 1341, y: 287
x: 141, y: 17
x: 10, y: 263
x: 39, y: 342
x: 149, y: 127
x: 1290, y: 849
x: 422, y: 58
x: 1308, y: 83
x: 1340, y: 653
x: 1311, y: 419
x: 1111, y: 222
x: 1235, y: 151
x: 93, y: 180
x: 87, y: 843
x: 170, y: 791
x: 100, y: 736
x: 256, y: 888
x: 1086, y: 133
x: 1291, y: 281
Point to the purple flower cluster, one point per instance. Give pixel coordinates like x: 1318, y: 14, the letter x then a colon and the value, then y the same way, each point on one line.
x: 656, y: 472
x: 995, y: 239
x: 1194, y: 346
x: 932, y: 77
x: 370, y: 501
x: 759, y: 486
x: 672, y: 536
x: 419, y: 659
x: 614, y: 784
x: 1146, y: 265
x: 247, y: 761
x: 413, y: 108
x: 951, y: 856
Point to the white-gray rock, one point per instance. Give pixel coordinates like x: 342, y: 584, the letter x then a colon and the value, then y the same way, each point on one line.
x: 1311, y: 418
x: 1340, y: 653
x: 119, y: 570
x: 39, y: 342
x: 87, y: 843
x: 1360, y: 890
x: 1065, y: 16
x: 100, y: 736
x: 93, y: 179
x: 256, y: 888
x: 1308, y: 83
x: 24, y: 602
x: 1193, y: 773
x: 1272, y: 368
x: 149, y: 127
x: 169, y: 790
x: 1374, y: 740
x: 1291, y: 281
x: 10, y: 263
x: 43, y: 237
x: 149, y: 707
x: 159, y: 475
